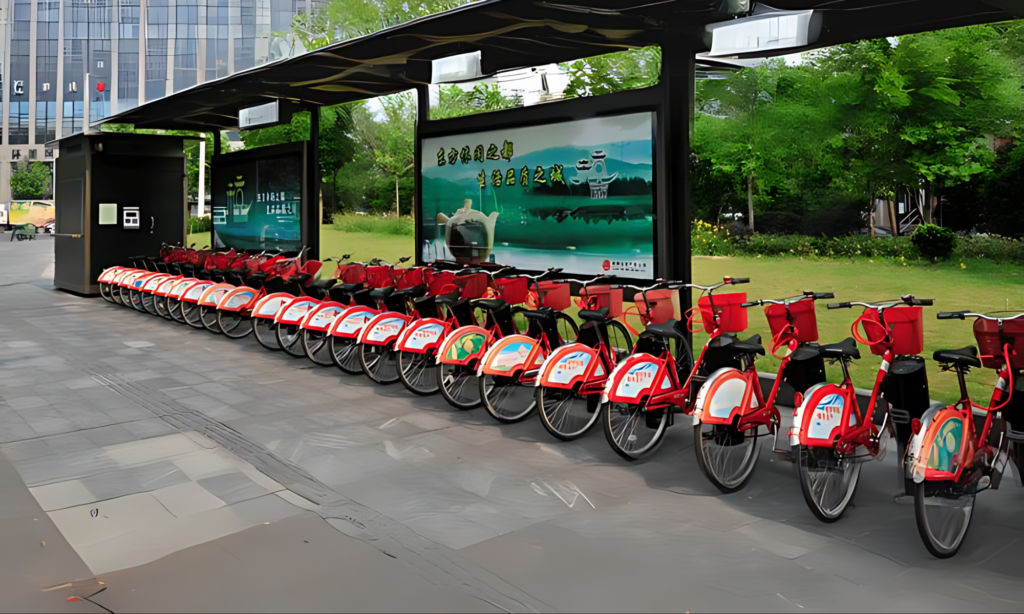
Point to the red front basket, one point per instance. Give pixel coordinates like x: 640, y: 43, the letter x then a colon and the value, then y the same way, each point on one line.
x: 379, y: 277
x: 596, y: 297
x: 990, y: 343
x: 906, y: 330
x: 474, y: 285
x: 554, y: 295
x: 801, y: 316
x: 731, y: 318
x: 662, y: 306
x: 442, y: 282
x: 513, y: 289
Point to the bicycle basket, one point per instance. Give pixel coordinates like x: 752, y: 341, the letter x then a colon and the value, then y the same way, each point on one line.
x: 664, y: 306
x: 441, y: 282
x: 801, y: 316
x: 726, y: 309
x: 411, y: 278
x: 513, y: 289
x: 554, y: 295
x: 379, y: 276
x: 990, y: 343
x: 902, y: 325
x: 473, y: 285
x: 353, y: 274
x: 595, y: 297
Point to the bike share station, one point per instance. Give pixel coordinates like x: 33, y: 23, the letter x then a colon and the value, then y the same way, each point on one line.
x: 593, y: 186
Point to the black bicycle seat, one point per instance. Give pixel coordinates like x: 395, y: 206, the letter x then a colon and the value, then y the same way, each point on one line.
x: 490, y: 304
x: 381, y: 293
x: 594, y: 315
x: 543, y: 313
x: 964, y: 357
x: 301, y: 278
x: 448, y: 299
x: 324, y: 284
x: 350, y: 287
x: 665, y: 330
x: 846, y: 347
x: 413, y: 292
x: 750, y: 346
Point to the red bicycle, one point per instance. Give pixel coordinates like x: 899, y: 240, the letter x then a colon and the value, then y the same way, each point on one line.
x: 961, y: 450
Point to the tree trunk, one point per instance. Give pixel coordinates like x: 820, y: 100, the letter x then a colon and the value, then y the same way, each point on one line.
x: 750, y: 201
x: 926, y: 212
x: 892, y: 218
x: 398, y: 211
x: 871, y: 216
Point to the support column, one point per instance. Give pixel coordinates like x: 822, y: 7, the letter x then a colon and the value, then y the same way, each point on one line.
x: 678, y: 74
x: 312, y: 191
x: 422, y: 116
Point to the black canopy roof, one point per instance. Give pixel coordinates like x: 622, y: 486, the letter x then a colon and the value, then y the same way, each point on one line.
x: 520, y: 33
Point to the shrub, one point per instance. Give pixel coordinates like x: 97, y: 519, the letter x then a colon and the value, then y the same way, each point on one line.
x: 374, y: 224
x: 934, y: 242
x: 833, y: 222
x: 992, y: 247
x: 199, y: 224
x: 779, y: 223
x: 737, y: 229
x: 709, y: 240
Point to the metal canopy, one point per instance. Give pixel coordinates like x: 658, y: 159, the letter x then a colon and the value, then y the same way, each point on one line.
x: 520, y: 33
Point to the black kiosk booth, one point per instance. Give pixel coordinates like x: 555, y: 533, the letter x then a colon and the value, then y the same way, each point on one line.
x: 118, y: 195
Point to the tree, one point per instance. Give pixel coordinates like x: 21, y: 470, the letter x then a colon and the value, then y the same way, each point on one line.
x: 31, y: 180
x: 453, y: 101
x: 389, y: 140
x: 613, y: 72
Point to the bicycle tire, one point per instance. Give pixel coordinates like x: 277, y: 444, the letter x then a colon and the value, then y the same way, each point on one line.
x: 345, y: 355
x: 717, y: 450
x: 105, y: 293
x: 125, y: 294
x: 558, y: 409
x: 160, y: 304
x: 379, y: 363
x: 618, y: 334
x: 149, y: 303
x: 289, y: 337
x: 265, y: 331
x: 317, y: 347
x: 815, y: 492
x: 175, y: 310
x: 233, y: 324
x: 191, y: 314
x: 953, y: 521
x: 418, y: 372
x: 621, y: 421
x: 507, y: 399
x: 208, y: 316
x: 567, y: 328
x: 458, y: 386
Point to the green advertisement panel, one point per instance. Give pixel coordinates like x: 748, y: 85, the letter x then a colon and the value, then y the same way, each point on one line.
x: 257, y: 202
x: 576, y: 195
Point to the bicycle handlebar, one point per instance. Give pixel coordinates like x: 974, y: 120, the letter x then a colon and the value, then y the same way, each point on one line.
x: 815, y: 296
x: 908, y: 300
x: 961, y: 315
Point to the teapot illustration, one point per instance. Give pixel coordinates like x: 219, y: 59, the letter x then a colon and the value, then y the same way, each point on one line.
x: 469, y: 234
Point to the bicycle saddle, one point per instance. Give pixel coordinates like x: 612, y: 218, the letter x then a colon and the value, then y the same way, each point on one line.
x: 490, y: 304
x: 301, y: 278
x: 594, y: 315
x: 381, y: 293
x: 964, y: 357
x: 665, y: 330
x: 750, y: 346
x: 846, y: 347
x: 543, y: 313
x: 448, y: 299
x: 349, y: 288
x: 413, y: 292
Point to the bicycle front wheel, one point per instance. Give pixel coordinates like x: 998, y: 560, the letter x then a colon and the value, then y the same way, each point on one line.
x: 418, y: 372
x: 828, y: 481
x: 727, y: 456
x: 379, y: 363
x: 633, y: 432
x: 506, y: 398
x: 566, y: 414
x: 458, y: 386
x: 265, y: 331
x: 345, y: 355
x: 943, y: 515
x: 289, y: 337
x: 317, y: 347
x: 234, y: 324
x: 567, y: 328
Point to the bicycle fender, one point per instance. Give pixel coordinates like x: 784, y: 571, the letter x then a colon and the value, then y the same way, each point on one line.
x: 943, y: 450
x: 321, y: 318
x: 108, y: 274
x: 511, y: 355
x: 194, y: 292
x: 421, y: 336
x: 129, y: 278
x: 569, y: 365
x: 212, y: 295
x: 140, y: 282
x: 237, y: 299
x: 634, y: 378
x: 721, y: 397
x: 178, y: 288
x: 166, y: 284
x: 916, y: 442
x: 463, y: 345
x: 153, y: 282
x: 351, y: 321
x: 269, y: 306
x: 293, y: 312
x: 821, y: 416
x: 383, y: 328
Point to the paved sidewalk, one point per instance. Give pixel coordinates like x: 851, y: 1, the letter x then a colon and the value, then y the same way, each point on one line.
x: 174, y: 428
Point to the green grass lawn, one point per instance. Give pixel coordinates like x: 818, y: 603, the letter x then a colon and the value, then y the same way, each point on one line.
x: 981, y: 286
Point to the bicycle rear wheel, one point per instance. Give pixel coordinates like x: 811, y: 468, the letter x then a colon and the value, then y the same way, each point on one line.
x: 160, y: 305
x: 727, y: 456
x: 567, y: 328
x: 345, y: 355
x: 105, y: 292
x: 289, y: 337
x: 191, y: 314
x: 265, y: 331
x: 149, y: 303
x: 507, y: 399
x: 379, y: 363
x: 631, y: 431
x: 828, y: 481
x: 418, y: 372
x: 943, y: 515
x: 208, y: 316
x: 125, y: 294
x: 174, y: 309
x: 619, y: 340
x: 459, y: 386
x: 317, y: 347
x: 233, y: 324
x: 135, y: 299
x: 566, y: 414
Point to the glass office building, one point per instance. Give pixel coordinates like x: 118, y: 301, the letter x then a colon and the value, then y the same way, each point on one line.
x: 135, y: 51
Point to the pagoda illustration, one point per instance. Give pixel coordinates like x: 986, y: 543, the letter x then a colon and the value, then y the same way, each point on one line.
x: 594, y: 172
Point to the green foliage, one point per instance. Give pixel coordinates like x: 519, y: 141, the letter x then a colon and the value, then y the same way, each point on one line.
x: 709, y: 240
x: 631, y: 69
x: 990, y: 247
x: 345, y: 19
x: 934, y: 242
x: 374, y: 224
x: 199, y: 224
x: 31, y: 180
x: 484, y: 97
